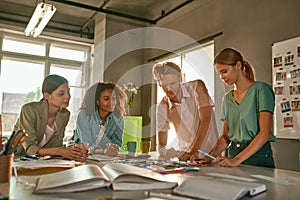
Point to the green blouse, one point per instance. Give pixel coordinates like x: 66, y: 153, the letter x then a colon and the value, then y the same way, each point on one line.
x: 243, y: 118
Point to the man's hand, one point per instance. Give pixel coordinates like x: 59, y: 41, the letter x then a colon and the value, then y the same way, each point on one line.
x: 184, y: 156
x: 167, y: 154
x: 172, y: 153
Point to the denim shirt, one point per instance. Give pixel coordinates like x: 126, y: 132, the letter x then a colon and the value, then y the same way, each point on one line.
x: 87, y: 130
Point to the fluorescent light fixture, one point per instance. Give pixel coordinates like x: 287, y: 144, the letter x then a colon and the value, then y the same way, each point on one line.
x: 39, y: 19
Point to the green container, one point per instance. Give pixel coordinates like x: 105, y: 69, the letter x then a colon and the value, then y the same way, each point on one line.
x: 132, y: 132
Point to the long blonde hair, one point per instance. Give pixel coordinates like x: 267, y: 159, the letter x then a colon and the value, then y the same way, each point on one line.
x: 230, y: 56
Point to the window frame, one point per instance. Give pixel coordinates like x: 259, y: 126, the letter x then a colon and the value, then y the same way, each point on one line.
x: 48, y: 61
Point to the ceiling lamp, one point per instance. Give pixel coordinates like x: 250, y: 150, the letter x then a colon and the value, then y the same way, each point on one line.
x: 39, y: 19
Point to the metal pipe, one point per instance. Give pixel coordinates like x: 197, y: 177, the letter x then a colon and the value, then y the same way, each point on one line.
x: 188, y: 46
x: 173, y: 10
x: 105, y: 11
x: 89, y: 20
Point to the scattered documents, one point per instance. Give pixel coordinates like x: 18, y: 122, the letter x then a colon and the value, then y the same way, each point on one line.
x: 102, y: 158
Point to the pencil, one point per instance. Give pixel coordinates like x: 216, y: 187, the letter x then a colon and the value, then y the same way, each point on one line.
x: 204, y: 153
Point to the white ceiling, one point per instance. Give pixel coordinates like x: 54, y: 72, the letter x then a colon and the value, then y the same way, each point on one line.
x: 77, y: 16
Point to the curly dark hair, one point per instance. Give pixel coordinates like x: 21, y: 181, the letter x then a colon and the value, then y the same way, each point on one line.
x: 93, y: 93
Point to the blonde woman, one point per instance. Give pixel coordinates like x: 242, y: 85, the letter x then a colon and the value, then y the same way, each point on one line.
x: 247, y: 114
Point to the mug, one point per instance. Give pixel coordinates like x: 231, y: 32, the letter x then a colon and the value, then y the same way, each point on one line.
x: 145, y: 146
x: 131, y: 147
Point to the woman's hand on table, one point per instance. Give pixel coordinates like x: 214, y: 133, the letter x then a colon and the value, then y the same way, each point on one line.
x: 75, y: 152
x: 228, y: 162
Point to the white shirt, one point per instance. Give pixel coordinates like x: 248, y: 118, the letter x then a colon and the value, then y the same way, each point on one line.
x: 185, y: 116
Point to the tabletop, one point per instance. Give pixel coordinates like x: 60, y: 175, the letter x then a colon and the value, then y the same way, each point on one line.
x: 281, y: 184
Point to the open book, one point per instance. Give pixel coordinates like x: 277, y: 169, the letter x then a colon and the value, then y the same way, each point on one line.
x: 118, y: 175
x: 35, y: 167
x: 218, y: 188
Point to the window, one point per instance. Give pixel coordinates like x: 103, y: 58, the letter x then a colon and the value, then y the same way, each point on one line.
x: 24, y: 47
x: 64, y: 53
x: 195, y: 64
x: 74, y: 76
x: 24, y: 65
x: 17, y: 76
x: 17, y: 89
x: 198, y: 64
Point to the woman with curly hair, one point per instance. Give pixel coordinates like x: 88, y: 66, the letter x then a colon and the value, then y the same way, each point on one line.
x: 100, y: 121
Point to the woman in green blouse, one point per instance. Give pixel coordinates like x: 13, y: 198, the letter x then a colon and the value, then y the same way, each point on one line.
x: 247, y: 113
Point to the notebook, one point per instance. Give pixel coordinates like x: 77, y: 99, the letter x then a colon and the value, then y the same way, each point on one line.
x: 218, y: 188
